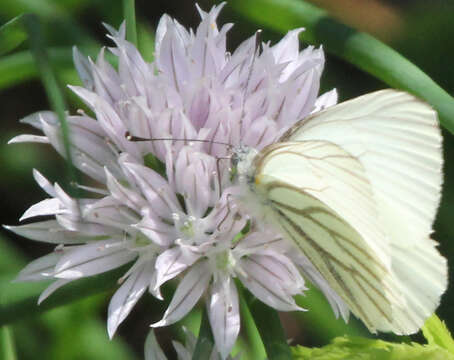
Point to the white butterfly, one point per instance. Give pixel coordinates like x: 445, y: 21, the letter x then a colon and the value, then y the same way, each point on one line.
x: 356, y: 187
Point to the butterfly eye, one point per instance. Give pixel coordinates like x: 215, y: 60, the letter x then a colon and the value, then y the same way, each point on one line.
x: 235, y: 159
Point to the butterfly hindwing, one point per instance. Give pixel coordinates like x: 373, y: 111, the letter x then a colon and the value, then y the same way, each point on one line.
x: 320, y: 198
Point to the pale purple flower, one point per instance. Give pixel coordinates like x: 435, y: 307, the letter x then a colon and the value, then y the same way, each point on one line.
x: 181, y: 222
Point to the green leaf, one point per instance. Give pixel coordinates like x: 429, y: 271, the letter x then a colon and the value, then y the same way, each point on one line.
x: 360, y: 49
x: 129, y: 12
x: 20, y: 66
x: 51, y: 84
x: 7, y: 349
x: 46, y: 8
x: 321, y: 319
x: 436, y: 333
x: 356, y: 348
x: 12, y: 34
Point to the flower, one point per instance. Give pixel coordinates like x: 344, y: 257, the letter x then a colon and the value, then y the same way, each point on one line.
x: 167, y: 206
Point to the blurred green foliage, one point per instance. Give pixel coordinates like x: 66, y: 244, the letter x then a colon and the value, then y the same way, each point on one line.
x: 78, y: 331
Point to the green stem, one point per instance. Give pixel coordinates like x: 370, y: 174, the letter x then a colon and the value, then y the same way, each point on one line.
x: 129, y: 12
x: 7, y: 349
x: 256, y: 347
x: 270, y: 328
x: 50, y: 83
x: 205, y: 341
x: 360, y: 49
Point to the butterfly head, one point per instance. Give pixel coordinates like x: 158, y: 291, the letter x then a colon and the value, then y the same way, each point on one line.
x: 243, y: 168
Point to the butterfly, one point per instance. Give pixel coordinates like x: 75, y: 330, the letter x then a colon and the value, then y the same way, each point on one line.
x: 355, y: 188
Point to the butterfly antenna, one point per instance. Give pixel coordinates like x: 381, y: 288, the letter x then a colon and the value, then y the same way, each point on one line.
x: 134, y: 138
x: 258, y: 40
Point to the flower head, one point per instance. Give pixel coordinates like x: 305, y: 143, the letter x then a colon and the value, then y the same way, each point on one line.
x: 166, y: 206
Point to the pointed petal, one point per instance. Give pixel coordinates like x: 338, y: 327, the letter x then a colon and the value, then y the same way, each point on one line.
x: 92, y: 259
x: 182, y: 352
x: 127, y: 296
x: 187, y: 294
x: 44, y: 207
x: 44, y: 183
x: 48, y: 231
x: 224, y: 314
x: 52, y: 288
x: 152, y: 349
x: 261, y: 279
x: 40, y: 269
x: 29, y: 138
x: 158, y: 231
x: 326, y: 100
x: 123, y: 194
x: 156, y: 189
x: 83, y: 68
x: 173, y: 262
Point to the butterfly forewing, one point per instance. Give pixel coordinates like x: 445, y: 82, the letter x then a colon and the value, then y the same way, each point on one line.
x: 396, y: 139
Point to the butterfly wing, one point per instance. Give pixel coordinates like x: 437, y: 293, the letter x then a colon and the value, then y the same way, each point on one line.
x: 396, y: 139
x: 319, y: 197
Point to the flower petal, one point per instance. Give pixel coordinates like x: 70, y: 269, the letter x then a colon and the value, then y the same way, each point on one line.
x: 173, y: 262
x: 44, y: 183
x: 92, y: 259
x: 127, y: 296
x: 41, y: 268
x: 152, y: 349
x: 44, y: 207
x: 187, y: 294
x: 124, y: 195
x: 83, y: 68
x: 29, y: 138
x: 224, y: 314
x: 52, y: 288
x: 262, y: 276
x: 49, y: 231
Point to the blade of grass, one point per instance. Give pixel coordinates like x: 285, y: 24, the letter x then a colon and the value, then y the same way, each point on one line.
x: 129, y: 12
x: 360, y: 49
x: 51, y: 85
x: 12, y: 34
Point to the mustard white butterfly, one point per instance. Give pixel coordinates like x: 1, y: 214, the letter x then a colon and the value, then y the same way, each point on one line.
x: 356, y: 188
